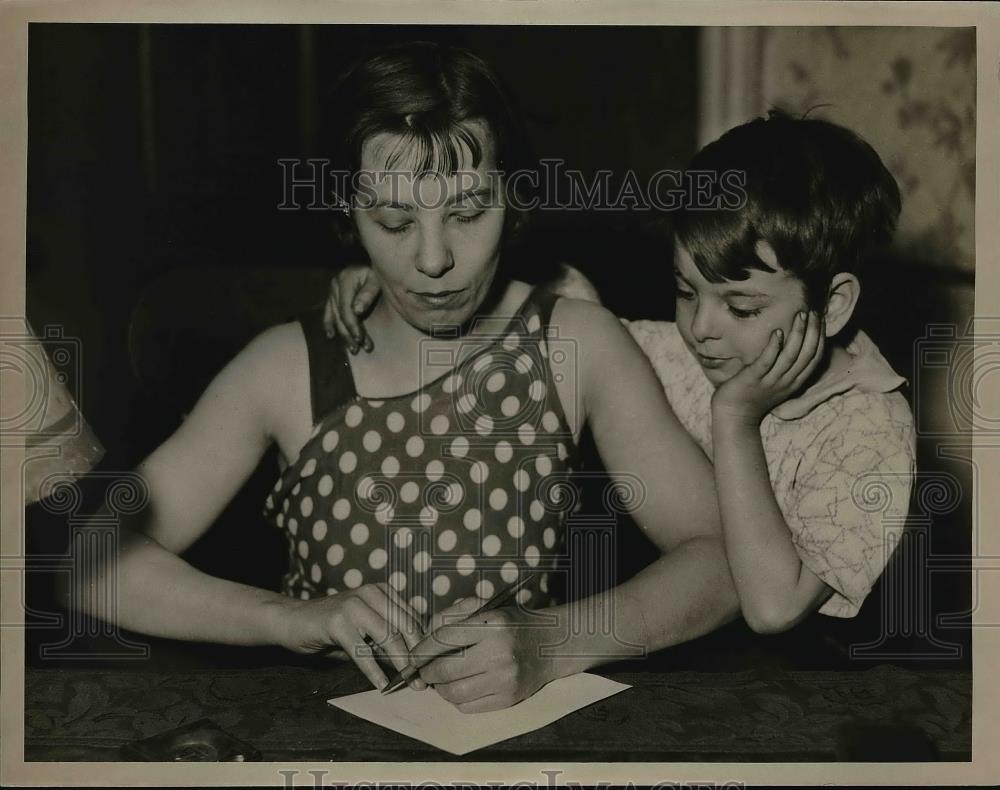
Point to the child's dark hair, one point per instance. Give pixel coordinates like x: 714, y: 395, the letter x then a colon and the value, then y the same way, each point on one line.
x: 428, y: 93
x: 815, y: 191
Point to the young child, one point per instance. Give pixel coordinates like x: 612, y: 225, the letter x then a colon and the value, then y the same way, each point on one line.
x: 812, y: 443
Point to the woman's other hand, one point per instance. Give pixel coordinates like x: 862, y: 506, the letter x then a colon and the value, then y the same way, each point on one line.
x: 498, y: 661
x: 353, y: 291
x: 355, y: 621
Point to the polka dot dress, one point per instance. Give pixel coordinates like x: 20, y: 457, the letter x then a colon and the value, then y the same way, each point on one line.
x: 455, y: 490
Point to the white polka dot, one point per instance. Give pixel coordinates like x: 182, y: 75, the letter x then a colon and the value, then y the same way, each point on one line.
x: 550, y: 422
x: 484, y: 425
x: 414, y: 446
x: 549, y: 537
x: 534, y: 323
x: 334, y: 555
x: 473, y: 518
x: 523, y: 596
x: 510, y: 406
x: 459, y: 447
x: 353, y: 416
x: 366, y: 487
x: 504, y: 452
x: 372, y: 441
x: 319, y: 530
x: 496, y: 382
x: 331, y: 590
x: 543, y: 583
x: 306, y: 506
x: 293, y: 525
x: 491, y: 545
x: 498, y: 499
x: 284, y: 505
x: 390, y: 466
x: 376, y: 404
x: 428, y: 516
x: 397, y: 580
x: 510, y: 342
x: 359, y: 533
x: 315, y: 573
x: 409, y: 492
x: 531, y: 556
x: 441, y: 585
x: 341, y: 509
x: 467, y: 403
x: 384, y: 514
x: 303, y: 549
x: 439, y: 425
x: 537, y: 390
x: 280, y: 519
x: 515, y: 526
x: 348, y: 462
x: 455, y: 494
x: 421, y: 402
x: 295, y: 491
x: 269, y: 502
x: 325, y: 485
x: 421, y: 562
x: 434, y: 470
x: 479, y: 472
x: 403, y: 537
x: 522, y: 481
x: 561, y: 451
x: 305, y: 595
x: 419, y: 604
x: 394, y: 421
x: 526, y: 434
x: 447, y: 540
x: 378, y: 558
x: 524, y: 363
x: 509, y: 572
x: 543, y: 465
x: 465, y: 564
x: 482, y: 363
x: 353, y: 578
x: 452, y: 383
x: 484, y: 588
x: 309, y: 468
x: 536, y: 510
x: 330, y: 440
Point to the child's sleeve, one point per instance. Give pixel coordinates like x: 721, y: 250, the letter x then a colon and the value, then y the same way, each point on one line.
x: 850, y: 497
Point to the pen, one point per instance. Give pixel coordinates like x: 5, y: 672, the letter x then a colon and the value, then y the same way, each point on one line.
x: 402, y: 677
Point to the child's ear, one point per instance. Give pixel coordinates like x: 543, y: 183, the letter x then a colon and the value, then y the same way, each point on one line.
x: 841, y: 299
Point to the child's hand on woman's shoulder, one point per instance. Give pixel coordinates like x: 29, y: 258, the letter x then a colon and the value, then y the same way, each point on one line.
x: 781, y: 370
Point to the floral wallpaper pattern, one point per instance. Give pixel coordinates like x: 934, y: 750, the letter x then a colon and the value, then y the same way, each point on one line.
x: 911, y: 92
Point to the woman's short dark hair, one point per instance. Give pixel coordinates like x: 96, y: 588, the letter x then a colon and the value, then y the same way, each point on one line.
x: 813, y: 190
x: 428, y: 94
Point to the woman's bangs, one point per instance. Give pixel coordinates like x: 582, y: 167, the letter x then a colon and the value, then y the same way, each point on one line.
x: 425, y: 149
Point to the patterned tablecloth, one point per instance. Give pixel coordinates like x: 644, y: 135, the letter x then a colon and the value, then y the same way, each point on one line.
x: 74, y: 713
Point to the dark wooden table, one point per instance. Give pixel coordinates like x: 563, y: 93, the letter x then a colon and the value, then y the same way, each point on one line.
x: 885, y: 712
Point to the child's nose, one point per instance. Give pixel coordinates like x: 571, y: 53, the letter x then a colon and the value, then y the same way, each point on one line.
x: 434, y: 257
x: 704, y: 325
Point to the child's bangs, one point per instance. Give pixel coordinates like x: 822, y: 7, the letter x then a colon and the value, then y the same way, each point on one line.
x: 721, y: 244
x: 425, y: 148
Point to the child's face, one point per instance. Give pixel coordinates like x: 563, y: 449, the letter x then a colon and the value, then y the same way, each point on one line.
x: 726, y: 325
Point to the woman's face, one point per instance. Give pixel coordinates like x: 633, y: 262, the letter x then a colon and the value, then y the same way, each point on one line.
x: 433, y: 240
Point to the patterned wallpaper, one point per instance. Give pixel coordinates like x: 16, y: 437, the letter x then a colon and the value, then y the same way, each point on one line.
x: 911, y: 92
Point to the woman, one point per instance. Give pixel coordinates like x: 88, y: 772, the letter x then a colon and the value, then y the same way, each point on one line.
x: 424, y: 476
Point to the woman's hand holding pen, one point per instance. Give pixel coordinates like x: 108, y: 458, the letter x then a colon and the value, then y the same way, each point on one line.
x: 355, y: 621
x: 486, y: 662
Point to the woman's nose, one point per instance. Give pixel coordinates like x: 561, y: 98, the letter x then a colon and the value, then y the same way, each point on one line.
x: 434, y: 256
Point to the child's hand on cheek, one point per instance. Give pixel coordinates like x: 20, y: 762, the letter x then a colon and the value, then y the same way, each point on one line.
x: 778, y: 373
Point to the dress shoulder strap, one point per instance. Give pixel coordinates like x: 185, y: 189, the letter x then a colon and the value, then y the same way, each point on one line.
x: 331, y: 383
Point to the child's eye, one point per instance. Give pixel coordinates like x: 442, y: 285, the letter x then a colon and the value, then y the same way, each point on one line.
x: 395, y: 228
x: 744, y: 313
x: 683, y: 293
x: 470, y: 217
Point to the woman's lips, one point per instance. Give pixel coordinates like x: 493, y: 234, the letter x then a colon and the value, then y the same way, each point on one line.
x: 438, y: 299
x: 711, y: 362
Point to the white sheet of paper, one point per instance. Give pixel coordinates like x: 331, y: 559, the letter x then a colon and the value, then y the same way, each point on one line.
x: 424, y: 715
